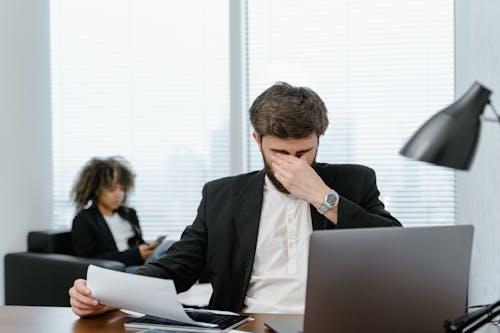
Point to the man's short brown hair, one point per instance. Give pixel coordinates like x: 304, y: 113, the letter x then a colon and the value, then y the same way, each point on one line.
x: 286, y: 111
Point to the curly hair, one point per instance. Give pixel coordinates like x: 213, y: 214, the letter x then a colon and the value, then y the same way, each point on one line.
x: 286, y: 111
x: 98, y: 174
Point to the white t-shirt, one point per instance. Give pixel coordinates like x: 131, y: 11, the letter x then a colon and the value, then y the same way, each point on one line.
x: 121, y: 230
x: 279, y: 274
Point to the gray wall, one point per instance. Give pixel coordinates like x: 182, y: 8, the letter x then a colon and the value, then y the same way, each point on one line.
x: 477, y: 32
x: 25, y: 139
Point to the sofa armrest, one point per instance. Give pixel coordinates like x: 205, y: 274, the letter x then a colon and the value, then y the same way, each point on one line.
x: 50, y: 241
x: 44, y: 278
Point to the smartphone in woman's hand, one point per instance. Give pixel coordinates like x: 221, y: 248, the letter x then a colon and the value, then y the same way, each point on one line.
x: 160, y: 238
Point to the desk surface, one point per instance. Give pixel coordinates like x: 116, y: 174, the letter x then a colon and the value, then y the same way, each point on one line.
x: 29, y: 319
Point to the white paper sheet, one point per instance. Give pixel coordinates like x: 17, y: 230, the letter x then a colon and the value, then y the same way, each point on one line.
x: 198, y: 295
x: 152, y: 296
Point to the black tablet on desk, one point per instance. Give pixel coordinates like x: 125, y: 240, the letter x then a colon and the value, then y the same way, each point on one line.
x: 221, y: 322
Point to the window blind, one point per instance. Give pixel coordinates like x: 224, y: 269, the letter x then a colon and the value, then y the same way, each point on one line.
x: 150, y: 81
x: 382, y: 69
x: 147, y: 80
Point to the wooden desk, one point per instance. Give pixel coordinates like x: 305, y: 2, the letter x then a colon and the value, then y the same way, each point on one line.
x: 30, y: 319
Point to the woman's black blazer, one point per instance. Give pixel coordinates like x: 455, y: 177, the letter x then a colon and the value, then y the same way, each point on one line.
x: 92, y: 237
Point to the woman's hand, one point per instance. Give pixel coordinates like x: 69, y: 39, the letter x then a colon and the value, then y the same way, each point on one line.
x: 147, y: 248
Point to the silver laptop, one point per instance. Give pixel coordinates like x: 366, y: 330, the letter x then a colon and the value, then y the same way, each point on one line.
x: 384, y: 280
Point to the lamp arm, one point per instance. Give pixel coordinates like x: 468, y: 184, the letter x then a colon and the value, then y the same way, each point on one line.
x: 476, y: 319
x: 459, y: 323
x: 497, y: 120
x: 483, y: 321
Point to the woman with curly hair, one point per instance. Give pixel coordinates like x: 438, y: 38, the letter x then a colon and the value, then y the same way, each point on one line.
x: 107, y: 228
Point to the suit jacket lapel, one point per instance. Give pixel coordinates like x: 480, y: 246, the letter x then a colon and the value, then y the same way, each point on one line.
x: 246, y: 209
x: 106, y: 232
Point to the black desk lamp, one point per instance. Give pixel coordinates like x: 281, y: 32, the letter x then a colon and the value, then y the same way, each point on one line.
x: 449, y: 138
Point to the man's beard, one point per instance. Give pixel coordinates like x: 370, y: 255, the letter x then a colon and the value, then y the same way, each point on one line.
x: 272, y: 177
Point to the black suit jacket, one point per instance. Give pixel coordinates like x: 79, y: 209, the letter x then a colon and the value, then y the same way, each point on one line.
x: 92, y: 237
x: 223, y: 236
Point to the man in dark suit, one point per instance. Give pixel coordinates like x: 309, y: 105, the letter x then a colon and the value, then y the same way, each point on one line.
x: 251, y: 232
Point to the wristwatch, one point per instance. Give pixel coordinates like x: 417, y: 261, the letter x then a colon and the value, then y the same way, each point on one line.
x: 330, y: 200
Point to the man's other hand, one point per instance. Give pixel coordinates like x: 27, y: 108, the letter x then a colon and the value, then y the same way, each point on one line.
x: 82, y: 302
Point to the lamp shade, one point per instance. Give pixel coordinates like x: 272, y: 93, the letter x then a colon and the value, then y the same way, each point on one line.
x: 449, y: 138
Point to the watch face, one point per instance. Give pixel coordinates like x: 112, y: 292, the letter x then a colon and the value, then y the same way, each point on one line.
x: 331, y: 199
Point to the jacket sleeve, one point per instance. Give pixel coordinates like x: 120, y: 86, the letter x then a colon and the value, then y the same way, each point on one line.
x: 129, y: 257
x: 186, y: 259
x: 87, y: 243
x: 369, y: 213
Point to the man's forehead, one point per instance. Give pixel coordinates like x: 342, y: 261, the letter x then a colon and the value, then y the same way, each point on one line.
x: 276, y: 143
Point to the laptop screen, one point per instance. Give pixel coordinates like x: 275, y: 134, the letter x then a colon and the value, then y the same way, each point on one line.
x: 387, y: 279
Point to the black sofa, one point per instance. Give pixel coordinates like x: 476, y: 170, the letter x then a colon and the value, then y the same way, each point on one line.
x: 43, y: 274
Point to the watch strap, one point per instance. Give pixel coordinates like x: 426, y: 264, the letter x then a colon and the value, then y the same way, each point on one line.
x: 325, y: 206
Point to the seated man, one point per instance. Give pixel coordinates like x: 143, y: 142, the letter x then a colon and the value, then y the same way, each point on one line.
x: 252, y: 231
